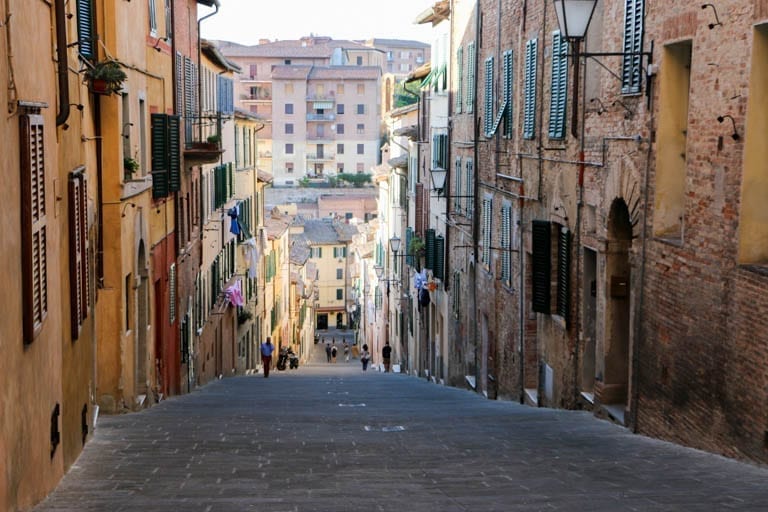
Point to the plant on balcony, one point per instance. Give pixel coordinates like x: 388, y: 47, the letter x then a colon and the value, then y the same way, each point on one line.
x: 243, y: 316
x: 105, y: 77
x: 356, y: 180
x: 416, y: 246
x: 214, y: 139
x: 130, y: 166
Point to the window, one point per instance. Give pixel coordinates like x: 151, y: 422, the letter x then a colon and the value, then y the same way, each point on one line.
x: 78, y: 251
x: 506, y: 245
x: 166, y: 154
x: 485, y: 254
x: 253, y: 71
x: 507, y: 74
x: 34, y: 226
x: 340, y: 129
x: 470, y: 77
x: 288, y: 128
x: 339, y: 294
x: 360, y: 129
x: 152, y: 18
x: 456, y: 295
x: 128, y: 290
x: 288, y: 88
x: 470, y: 186
x: 459, y: 79
x: 340, y: 90
x: 289, y: 167
x: 563, y: 272
x: 319, y: 89
x: 339, y: 273
x: 168, y: 21
x: 339, y: 108
x: 339, y: 252
x: 541, y: 263
x: 85, y: 29
x: 631, y: 65
x: 289, y: 108
x: 360, y: 108
x: 488, y: 99
x: 340, y: 149
x: 529, y: 92
x: 361, y: 149
x: 340, y: 168
x: 457, y: 200
x: 559, y: 87
x: 287, y: 62
x: 440, y: 151
x: 360, y: 167
x: 360, y: 88
x: 289, y: 149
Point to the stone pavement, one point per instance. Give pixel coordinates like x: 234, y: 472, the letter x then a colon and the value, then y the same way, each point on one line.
x: 332, y: 438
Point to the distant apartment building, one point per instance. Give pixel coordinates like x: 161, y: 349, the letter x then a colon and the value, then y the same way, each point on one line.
x: 401, y: 57
x: 319, y: 99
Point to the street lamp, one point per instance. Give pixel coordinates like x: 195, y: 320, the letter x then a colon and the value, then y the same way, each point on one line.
x: 573, y: 17
x: 438, y: 179
x: 394, y: 244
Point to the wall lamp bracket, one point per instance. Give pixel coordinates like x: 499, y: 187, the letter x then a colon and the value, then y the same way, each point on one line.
x: 735, y: 135
x: 717, y: 18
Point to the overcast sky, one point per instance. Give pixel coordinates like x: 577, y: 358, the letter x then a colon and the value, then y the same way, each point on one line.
x: 247, y: 21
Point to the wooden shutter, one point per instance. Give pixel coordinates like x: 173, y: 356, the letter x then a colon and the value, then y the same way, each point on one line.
x: 160, y: 185
x: 564, y: 273
x: 541, y: 265
x: 439, y: 269
x: 470, y: 77
x: 457, y: 185
x: 174, y: 153
x: 34, y: 260
x: 506, y: 256
x: 488, y: 98
x: 408, y: 237
x: 85, y: 29
x: 529, y: 114
x: 189, y: 98
x: 459, y: 79
x: 470, y: 187
x: 78, y: 261
x: 508, y: 85
x: 631, y: 66
x: 179, y: 81
x: 485, y: 254
x: 172, y: 293
x: 419, y: 209
x: 558, y: 93
x: 430, y: 245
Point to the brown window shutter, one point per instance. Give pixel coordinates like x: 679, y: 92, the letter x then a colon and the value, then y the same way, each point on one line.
x: 420, y: 209
x: 541, y: 259
x: 34, y: 227
x: 78, y: 251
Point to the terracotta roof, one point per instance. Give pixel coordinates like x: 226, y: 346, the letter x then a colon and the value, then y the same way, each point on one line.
x: 349, y: 72
x: 291, y: 72
x: 322, y: 48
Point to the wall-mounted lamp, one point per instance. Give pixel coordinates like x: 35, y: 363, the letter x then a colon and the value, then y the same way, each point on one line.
x: 127, y: 135
x: 717, y: 18
x: 600, y: 106
x: 125, y: 206
x: 735, y: 135
x: 78, y: 106
x: 628, y: 111
x: 573, y: 17
x: 438, y: 179
x: 157, y: 43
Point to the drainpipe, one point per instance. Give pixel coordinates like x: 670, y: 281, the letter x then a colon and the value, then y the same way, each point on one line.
x: 476, y: 182
x: 199, y: 60
x: 63, y: 69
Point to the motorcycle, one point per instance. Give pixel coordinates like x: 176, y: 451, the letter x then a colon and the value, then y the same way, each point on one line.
x: 287, y: 358
x: 293, y: 360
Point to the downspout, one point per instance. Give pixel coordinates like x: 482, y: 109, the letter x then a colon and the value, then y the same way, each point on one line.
x: 476, y: 182
x: 199, y: 60
x: 62, y: 64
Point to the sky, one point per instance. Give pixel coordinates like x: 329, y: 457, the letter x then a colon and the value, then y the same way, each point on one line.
x: 247, y: 21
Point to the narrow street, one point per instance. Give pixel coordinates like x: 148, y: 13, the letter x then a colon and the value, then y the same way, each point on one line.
x: 328, y: 437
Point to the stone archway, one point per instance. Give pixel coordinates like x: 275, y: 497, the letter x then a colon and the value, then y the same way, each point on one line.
x: 612, y: 390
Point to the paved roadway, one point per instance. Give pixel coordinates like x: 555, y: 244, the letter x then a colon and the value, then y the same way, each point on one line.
x: 330, y: 438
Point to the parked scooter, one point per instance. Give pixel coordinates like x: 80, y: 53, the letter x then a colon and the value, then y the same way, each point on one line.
x: 287, y: 358
x: 293, y: 360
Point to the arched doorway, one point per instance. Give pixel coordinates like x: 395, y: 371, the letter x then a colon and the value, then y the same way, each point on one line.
x: 141, y: 377
x: 615, y: 382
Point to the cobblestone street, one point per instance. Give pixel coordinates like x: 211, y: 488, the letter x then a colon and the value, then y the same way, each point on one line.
x: 328, y: 437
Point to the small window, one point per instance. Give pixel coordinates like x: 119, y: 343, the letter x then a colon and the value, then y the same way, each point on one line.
x: 360, y: 167
x: 340, y: 149
x: 289, y: 167
x: 340, y: 90
x: 361, y: 149
x: 360, y: 129
x: 288, y: 128
x: 339, y: 294
x: 339, y: 273
x: 289, y: 149
x: 289, y: 108
x: 360, y: 88
x: 340, y: 108
x: 360, y: 108
x: 152, y: 18
x: 359, y: 61
x: 340, y: 129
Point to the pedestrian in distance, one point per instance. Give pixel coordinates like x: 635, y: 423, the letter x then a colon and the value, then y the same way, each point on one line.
x: 266, y: 355
x: 346, y: 352
x: 386, y: 354
x: 334, y: 350
x: 365, y: 356
x: 328, y: 351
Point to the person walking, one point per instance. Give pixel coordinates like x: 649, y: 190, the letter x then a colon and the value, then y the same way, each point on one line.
x: 328, y: 351
x: 334, y: 350
x: 346, y: 352
x: 365, y: 356
x: 386, y: 354
x: 266, y: 355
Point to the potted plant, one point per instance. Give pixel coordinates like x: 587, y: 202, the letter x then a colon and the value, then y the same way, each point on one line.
x: 214, y: 139
x: 105, y: 77
x: 416, y: 247
x: 130, y: 166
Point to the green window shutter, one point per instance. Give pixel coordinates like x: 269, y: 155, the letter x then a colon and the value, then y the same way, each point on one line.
x: 457, y: 185
x: 430, y: 245
x: 174, y: 153
x: 85, y: 29
x: 529, y: 114
x: 488, y: 98
x: 470, y: 77
x: 469, y: 165
x: 508, y: 84
x: 439, y: 269
x: 159, y: 152
x: 557, y: 104
x: 506, y: 231
x: 408, y: 238
x: 564, y: 273
x: 459, y: 79
x: 485, y: 255
x: 631, y: 66
x: 541, y: 265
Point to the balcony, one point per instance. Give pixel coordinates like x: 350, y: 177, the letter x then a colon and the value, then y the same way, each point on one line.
x: 321, y: 117
x: 325, y: 157
x: 202, y: 137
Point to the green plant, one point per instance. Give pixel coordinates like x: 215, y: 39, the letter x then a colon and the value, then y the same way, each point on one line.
x: 357, y: 180
x: 304, y: 182
x: 130, y: 166
x: 108, y: 71
x: 214, y: 139
x: 416, y: 246
x: 243, y: 316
